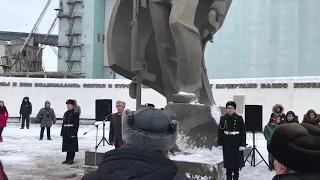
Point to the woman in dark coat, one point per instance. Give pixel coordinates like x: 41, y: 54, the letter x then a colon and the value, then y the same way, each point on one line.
x: 69, y: 132
x: 3, y: 118
x: 311, y: 118
x: 290, y: 118
x: 232, y: 140
x: 46, y: 117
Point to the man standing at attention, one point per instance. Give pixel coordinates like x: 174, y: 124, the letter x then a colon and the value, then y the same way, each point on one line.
x: 25, y: 112
x: 115, y: 131
x: 232, y: 140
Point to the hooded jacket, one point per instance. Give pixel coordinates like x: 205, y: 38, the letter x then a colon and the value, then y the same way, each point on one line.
x: 280, y: 114
x: 295, y: 120
x: 133, y: 162
x: 46, y: 116
x: 26, y: 107
x: 315, y: 121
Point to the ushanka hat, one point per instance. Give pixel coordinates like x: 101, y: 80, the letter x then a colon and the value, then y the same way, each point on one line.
x: 231, y: 103
x: 70, y: 101
x: 149, y: 127
x: 297, y: 146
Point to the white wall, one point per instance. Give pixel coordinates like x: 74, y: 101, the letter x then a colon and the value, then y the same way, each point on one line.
x: 297, y: 99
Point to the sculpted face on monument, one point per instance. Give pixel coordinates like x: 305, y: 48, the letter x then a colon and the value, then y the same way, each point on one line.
x: 172, y: 35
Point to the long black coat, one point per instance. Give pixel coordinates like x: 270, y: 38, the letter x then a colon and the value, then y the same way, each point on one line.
x: 115, y: 131
x: 26, y: 108
x: 130, y: 162
x: 70, y: 133
x: 232, y: 157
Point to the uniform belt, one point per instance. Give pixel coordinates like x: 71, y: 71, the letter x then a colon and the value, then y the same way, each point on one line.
x: 68, y: 125
x: 231, y: 133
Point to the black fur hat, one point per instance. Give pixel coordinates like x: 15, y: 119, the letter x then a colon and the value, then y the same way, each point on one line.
x: 71, y: 101
x: 149, y: 127
x: 231, y: 103
x: 297, y: 146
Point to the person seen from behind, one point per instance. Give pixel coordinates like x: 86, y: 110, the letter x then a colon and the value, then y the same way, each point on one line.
x: 268, y: 131
x: 278, y: 110
x: 148, y: 134
x: 25, y: 112
x: 296, y: 149
x: 115, y: 130
x: 232, y: 140
x: 290, y: 118
x: 3, y: 118
x: 311, y: 118
x: 46, y: 117
x: 77, y: 108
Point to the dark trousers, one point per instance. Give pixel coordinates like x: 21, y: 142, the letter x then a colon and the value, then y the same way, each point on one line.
x: 25, y: 119
x: 1, y: 130
x: 271, y: 162
x: 232, y: 173
x: 70, y: 156
x: 42, y: 132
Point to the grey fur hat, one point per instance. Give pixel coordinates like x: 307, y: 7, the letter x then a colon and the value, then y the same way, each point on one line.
x: 149, y: 127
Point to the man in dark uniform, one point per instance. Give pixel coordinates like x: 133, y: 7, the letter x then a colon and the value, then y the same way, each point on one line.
x: 25, y: 112
x: 115, y: 131
x: 232, y: 140
x: 69, y: 132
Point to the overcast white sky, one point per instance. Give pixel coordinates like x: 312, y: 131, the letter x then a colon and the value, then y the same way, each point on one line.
x: 21, y: 15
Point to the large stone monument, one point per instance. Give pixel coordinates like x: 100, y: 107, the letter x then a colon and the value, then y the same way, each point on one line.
x: 171, y: 36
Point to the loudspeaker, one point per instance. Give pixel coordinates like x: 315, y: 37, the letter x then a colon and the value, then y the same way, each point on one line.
x: 253, y: 118
x: 103, y: 108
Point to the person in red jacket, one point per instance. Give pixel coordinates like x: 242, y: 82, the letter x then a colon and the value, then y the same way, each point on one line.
x: 3, y: 118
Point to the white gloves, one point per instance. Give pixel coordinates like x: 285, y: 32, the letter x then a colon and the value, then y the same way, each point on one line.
x: 220, y: 147
x: 241, y: 148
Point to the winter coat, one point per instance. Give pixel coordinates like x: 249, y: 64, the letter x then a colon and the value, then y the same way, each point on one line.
x: 3, y: 117
x: 26, y: 107
x: 77, y: 108
x: 131, y: 162
x: 232, y: 157
x: 295, y: 120
x: 268, y: 131
x: 69, y: 131
x: 115, y: 131
x: 315, y: 122
x: 297, y: 176
x: 46, y: 116
x: 281, y: 114
x: 3, y: 175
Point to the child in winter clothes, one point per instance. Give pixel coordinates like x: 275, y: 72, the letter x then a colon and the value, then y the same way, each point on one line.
x: 3, y: 118
x: 311, y: 118
x: 290, y: 118
x: 268, y: 131
x: 278, y: 110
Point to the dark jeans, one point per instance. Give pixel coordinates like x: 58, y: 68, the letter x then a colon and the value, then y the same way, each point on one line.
x: 232, y: 173
x: 25, y: 118
x: 1, y: 130
x: 42, y: 132
x: 70, y: 156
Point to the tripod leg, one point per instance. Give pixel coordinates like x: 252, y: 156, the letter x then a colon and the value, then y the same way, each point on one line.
x: 263, y: 158
x: 248, y: 156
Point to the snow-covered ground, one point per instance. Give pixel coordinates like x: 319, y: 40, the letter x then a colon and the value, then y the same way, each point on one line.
x: 26, y: 158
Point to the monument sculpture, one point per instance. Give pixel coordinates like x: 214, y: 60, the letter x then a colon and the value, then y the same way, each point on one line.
x: 171, y: 37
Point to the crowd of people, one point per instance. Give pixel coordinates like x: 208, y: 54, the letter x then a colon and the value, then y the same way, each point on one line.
x: 278, y: 117
x: 143, y: 138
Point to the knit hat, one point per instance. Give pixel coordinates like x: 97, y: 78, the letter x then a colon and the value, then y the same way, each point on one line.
x: 297, y: 146
x: 70, y: 101
x: 149, y: 127
x: 231, y: 103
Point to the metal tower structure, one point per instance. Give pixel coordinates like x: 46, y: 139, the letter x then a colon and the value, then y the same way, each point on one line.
x: 72, y: 35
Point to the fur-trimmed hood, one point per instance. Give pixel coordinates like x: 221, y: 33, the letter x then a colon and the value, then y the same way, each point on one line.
x: 275, y: 107
x: 158, y: 141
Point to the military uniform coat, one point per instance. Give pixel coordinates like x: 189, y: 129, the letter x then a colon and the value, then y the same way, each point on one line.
x: 45, y: 117
x: 115, y: 131
x: 69, y: 131
x: 232, y: 157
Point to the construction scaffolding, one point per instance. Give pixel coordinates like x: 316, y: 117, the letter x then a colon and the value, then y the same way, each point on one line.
x: 73, y: 36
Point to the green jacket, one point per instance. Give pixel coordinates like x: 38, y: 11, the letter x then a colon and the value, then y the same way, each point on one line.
x: 268, y: 131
